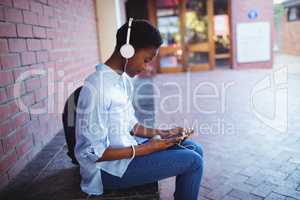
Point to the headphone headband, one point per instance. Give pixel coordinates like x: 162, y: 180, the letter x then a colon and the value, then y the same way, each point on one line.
x: 127, y: 50
x: 129, y: 30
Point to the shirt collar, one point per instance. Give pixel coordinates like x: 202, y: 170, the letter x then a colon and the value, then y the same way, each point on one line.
x: 124, y: 75
x: 113, y: 75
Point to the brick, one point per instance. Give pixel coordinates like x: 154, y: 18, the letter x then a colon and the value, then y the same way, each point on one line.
x: 1, y: 13
x: 44, y: 118
x: 53, y: 2
x: 24, y: 30
x: 219, y: 192
x: 23, y: 4
x: 22, y: 132
x: 8, y: 30
x: 46, y: 44
x: 44, y: 21
x: 4, y: 112
x: 39, y: 32
x: 38, y: 109
x: 14, y: 108
x: 256, y: 179
x: 243, y: 195
x: 3, y: 46
x: 1, y: 148
x: 28, y: 99
x: 53, y: 23
x: 59, y: 55
x: 275, y: 196
x: 17, y: 167
x: 7, y: 161
x: 51, y: 33
x: 13, y: 15
x: 24, y: 147
x: 294, y: 176
x: 42, y: 56
x: 287, y: 192
x: 28, y: 58
x: 32, y: 84
x: 26, y: 72
x: 17, y: 45
x: 33, y: 125
x: 6, y: 2
x: 20, y: 90
x: 6, y: 78
x: 17, y: 72
x: 30, y: 18
x: 287, y: 167
x: 57, y: 44
x: 48, y: 11
x: 3, y: 96
x: 36, y: 7
x: 44, y: 81
x: 263, y: 189
x: 10, y: 60
x: 40, y: 94
x: 20, y: 119
x: 43, y: 1
x: 5, y: 127
x: 34, y: 44
x: 9, y: 142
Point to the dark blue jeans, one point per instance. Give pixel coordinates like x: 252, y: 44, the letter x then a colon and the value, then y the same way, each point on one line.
x: 185, y: 164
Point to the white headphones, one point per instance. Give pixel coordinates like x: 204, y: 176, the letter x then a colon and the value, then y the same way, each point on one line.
x: 127, y: 50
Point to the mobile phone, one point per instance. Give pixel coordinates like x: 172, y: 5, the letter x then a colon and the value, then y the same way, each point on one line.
x: 183, y: 134
x: 187, y: 133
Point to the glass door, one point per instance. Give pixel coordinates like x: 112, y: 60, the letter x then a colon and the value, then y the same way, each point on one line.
x: 168, y: 23
x: 197, y: 35
x: 187, y: 30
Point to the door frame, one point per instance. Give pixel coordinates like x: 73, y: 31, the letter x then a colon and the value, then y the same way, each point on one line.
x: 212, y: 54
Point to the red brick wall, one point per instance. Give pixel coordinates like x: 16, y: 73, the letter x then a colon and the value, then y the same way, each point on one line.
x: 49, y: 36
x: 240, y: 11
x: 290, y: 36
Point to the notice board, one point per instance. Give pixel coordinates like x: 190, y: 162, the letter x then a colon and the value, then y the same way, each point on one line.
x: 253, y: 42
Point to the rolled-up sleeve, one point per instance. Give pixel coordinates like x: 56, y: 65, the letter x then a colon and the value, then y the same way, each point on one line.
x: 91, y: 124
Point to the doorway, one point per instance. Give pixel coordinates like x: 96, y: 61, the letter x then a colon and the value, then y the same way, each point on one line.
x: 222, y: 38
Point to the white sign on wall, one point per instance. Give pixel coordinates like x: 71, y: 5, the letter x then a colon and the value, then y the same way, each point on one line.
x: 253, y: 42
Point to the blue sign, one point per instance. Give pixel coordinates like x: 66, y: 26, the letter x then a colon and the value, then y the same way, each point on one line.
x: 252, y: 14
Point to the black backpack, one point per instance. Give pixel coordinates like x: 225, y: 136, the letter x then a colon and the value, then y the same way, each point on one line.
x: 69, y: 120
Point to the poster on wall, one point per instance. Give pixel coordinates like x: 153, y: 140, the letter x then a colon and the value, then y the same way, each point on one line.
x: 253, y: 42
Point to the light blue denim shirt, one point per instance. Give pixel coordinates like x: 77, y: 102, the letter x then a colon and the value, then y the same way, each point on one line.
x: 105, y: 117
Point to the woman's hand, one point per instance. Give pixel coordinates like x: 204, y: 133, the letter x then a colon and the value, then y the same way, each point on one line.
x: 183, y: 133
x: 161, y: 144
x: 171, y: 132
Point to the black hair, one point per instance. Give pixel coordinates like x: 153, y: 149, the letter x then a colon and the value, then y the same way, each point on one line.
x: 142, y: 35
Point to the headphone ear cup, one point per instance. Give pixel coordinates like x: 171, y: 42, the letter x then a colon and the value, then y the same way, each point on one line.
x: 127, y: 51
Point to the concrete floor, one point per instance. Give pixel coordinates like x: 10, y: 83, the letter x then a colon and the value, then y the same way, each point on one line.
x: 249, y: 153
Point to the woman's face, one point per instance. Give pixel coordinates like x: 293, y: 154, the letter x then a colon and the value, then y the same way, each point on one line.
x: 138, y: 63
